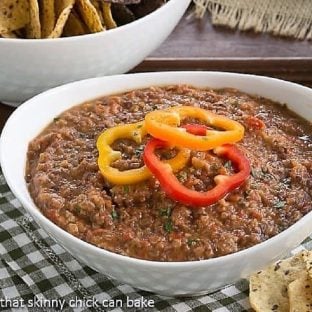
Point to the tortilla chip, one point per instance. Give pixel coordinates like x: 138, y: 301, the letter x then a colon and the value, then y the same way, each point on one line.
x: 145, y: 7
x: 122, y: 1
x: 268, y: 288
x: 300, y: 294
x: 13, y: 15
x: 108, y: 17
x: 8, y: 34
x: 62, y: 19
x: 122, y: 14
x: 97, y: 5
x: 308, y: 261
x: 47, y: 17
x: 74, y: 26
x: 20, y: 33
x: 34, y: 27
x: 59, y: 6
x: 90, y: 15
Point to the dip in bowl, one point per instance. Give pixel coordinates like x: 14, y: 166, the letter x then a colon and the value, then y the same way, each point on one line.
x: 147, y: 239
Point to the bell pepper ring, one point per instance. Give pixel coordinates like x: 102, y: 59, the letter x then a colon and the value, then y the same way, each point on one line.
x: 177, y: 191
x: 135, y: 132
x: 164, y: 125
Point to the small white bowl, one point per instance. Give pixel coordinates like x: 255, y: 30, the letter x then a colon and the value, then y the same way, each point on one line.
x: 167, y: 278
x: 30, y: 66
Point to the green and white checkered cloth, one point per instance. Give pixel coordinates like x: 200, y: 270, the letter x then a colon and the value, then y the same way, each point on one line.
x: 37, y: 274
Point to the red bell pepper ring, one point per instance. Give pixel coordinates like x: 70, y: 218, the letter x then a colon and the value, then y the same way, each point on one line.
x: 177, y: 191
x: 196, y: 129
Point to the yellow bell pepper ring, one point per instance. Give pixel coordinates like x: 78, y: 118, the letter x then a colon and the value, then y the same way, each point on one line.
x: 135, y: 132
x: 164, y: 125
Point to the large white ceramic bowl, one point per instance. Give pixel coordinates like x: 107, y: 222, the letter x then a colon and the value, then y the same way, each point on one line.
x: 175, y: 278
x: 30, y: 66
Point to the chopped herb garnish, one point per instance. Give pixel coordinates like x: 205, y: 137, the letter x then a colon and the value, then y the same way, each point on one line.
x: 168, y: 226
x: 182, y: 176
x: 56, y: 119
x: 241, y: 202
x: 256, y: 173
x: 228, y: 165
x: 304, y: 137
x: 286, y: 180
x: 114, y: 214
x: 253, y: 186
x: 126, y: 188
x: 235, y: 103
x: 139, y: 150
x: 214, y: 167
x: 264, y: 172
x: 264, y: 169
x: 77, y: 209
x: 192, y: 241
x: 165, y: 212
x: 139, y: 126
x: 279, y: 204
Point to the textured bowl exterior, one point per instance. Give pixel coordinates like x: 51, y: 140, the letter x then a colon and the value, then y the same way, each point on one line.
x: 28, y: 67
x: 175, y: 278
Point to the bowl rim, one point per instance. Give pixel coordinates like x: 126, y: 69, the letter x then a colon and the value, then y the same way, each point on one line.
x: 86, y: 37
x: 30, y: 206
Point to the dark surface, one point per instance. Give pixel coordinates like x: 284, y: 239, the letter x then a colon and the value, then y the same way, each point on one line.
x: 5, y: 112
x: 197, y: 45
x: 198, y: 38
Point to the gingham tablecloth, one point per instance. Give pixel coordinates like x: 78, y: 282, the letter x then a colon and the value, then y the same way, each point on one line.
x: 37, y: 274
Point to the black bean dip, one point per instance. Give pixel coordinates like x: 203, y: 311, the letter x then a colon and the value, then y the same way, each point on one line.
x: 140, y: 220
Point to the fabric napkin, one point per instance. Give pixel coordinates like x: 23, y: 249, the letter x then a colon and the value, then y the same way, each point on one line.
x: 37, y: 274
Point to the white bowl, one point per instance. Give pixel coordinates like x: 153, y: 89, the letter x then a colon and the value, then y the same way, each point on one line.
x: 30, y: 66
x: 175, y: 278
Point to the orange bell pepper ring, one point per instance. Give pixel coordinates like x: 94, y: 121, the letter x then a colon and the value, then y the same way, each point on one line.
x: 164, y: 125
x: 135, y: 132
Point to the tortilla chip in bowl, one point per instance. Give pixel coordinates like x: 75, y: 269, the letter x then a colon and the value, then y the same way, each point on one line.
x: 13, y: 15
x: 30, y: 66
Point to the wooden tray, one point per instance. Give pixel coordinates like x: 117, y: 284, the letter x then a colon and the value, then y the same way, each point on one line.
x: 197, y: 45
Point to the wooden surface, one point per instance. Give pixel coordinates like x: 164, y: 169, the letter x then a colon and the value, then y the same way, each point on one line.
x: 198, y: 38
x: 197, y: 45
